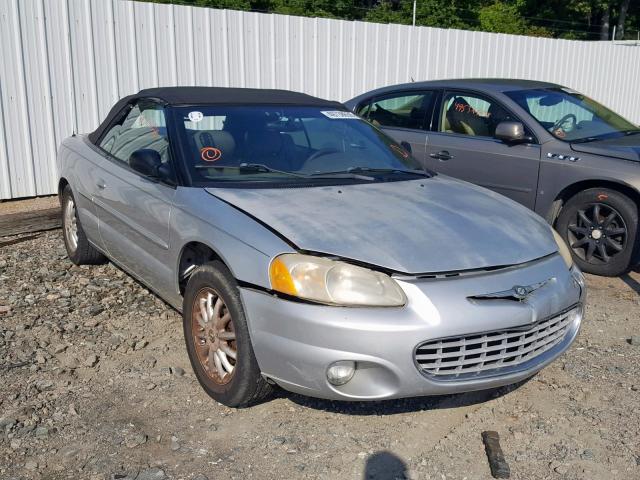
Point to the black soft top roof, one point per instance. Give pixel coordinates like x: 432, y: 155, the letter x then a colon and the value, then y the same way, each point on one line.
x: 214, y: 96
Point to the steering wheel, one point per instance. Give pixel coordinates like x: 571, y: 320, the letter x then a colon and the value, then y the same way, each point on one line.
x: 563, y: 120
x: 321, y: 152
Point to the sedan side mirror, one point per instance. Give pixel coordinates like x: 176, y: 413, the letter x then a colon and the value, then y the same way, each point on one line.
x: 511, y: 132
x: 146, y: 162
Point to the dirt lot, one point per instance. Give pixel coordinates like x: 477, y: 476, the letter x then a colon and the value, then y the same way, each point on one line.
x: 96, y: 384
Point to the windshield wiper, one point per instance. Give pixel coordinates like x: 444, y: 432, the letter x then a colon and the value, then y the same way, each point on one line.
x: 259, y: 167
x: 254, y: 168
x: 262, y: 168
x: 605, y: 136
x: 356, y: 173
x: 422, y: 173
x: 586, y: 139
x: 340, y: 174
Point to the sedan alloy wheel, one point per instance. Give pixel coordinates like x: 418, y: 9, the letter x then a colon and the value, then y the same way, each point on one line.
x: 214, y: 336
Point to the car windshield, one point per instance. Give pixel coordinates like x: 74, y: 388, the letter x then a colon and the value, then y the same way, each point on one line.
x: 284, y: 144
x: 570, y: 116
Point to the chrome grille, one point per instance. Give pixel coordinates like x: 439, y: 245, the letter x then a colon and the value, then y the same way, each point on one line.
x: 487, y: 353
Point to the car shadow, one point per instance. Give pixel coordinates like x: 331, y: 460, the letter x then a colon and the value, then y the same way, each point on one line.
x: 402, y: 405
x: 632, y: 282
x: 385, y: 466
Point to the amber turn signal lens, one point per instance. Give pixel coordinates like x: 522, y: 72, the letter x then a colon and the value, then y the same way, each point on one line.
x: 280, y: 277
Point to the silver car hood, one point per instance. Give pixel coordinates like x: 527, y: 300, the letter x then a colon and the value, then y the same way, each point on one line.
x: 421, y: 226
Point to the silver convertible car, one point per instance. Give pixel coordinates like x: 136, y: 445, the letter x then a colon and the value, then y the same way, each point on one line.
x: 307, y: 249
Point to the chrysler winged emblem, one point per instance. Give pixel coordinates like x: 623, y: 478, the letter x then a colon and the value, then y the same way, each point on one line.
x: 517, y: 292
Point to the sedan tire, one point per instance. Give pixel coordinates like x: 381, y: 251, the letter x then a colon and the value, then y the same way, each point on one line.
x: 217, y: 338
x: 79, y: 250
x: 600, y: 227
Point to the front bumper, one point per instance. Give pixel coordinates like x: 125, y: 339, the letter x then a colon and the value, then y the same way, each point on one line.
x: 295, y: 342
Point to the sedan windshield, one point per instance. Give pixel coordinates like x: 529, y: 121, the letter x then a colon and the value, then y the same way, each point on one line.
x: 570, y: 116
x: 286, y: 144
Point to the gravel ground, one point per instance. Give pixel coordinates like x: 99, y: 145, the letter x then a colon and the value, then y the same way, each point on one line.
x: 96, y: 384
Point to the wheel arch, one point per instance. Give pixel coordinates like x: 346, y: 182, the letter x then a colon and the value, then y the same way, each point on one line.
x: 192, y: 255
x: 62, y: 184
x: 569, y: 191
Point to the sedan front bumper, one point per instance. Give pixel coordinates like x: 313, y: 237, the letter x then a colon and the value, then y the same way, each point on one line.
x: 296, y: 342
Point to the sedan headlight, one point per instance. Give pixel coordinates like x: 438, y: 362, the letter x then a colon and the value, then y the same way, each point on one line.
x: 563, y: 250
x: 333, y: 282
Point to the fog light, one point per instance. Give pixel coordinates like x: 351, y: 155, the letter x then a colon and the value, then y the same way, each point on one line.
x: 341, y: 372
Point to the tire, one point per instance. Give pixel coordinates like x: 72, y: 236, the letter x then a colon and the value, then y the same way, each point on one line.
x: 600, y: 226
x: 212, y: 292
x: 79, y: 250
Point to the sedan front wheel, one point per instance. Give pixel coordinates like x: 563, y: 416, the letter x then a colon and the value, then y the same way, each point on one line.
x: 600, y: 227
x: 217, y: 338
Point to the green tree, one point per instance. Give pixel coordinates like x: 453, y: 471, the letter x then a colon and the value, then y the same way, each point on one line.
x: 501, y: 17
x: 432, y: 13
x: 576, y: 19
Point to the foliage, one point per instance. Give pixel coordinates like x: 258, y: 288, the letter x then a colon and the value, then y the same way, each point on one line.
x: 575, y: 19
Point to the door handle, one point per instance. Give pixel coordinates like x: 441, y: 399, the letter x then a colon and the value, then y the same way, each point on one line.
x: 101, y: 185
x: 441, y: 155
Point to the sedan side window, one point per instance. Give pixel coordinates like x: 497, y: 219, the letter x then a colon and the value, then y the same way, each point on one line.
x: 470, y: 115
x: 143, y: 128
x: 404, y: 110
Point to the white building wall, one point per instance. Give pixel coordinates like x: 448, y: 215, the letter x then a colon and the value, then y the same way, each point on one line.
x: 64, y: 63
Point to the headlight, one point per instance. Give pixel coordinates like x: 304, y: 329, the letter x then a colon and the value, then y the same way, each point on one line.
x: 563, y: 250
x: 333, y: 282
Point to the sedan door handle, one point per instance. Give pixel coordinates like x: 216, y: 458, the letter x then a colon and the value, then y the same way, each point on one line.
x: 101, y: 185
x: 442, y: 155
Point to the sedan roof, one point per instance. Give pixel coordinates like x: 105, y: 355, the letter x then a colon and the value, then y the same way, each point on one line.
x: 487, y: 84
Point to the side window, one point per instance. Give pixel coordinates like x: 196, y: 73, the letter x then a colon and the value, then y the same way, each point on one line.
x: 471, y: 115
x: 144, y: 127
x: 363, y: 109
x: 405, y: 110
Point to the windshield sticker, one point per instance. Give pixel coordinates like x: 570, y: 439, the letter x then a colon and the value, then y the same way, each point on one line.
x: 196, y: 117
x: 340, y: 115
x: 210, y: 154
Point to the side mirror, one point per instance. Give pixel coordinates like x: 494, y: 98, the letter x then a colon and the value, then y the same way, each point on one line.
x: 511, y: 132
x: 147, y: 162
x: 406, y: 145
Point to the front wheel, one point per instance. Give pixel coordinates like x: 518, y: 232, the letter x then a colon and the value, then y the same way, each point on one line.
x: 79, y: 250
x: 600, y: 227
x: 217, y: 338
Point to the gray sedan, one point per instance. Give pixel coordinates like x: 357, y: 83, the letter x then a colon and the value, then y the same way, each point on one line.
x: 547, y: 147
x: 307, y: 249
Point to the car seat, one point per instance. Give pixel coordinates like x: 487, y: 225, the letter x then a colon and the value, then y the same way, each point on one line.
x: 270, y: 148
x: 462, y: 118
x: 220, y: 139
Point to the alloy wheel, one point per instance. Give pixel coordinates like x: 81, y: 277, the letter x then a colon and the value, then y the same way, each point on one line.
x: 214, y: 336
x: 71, y: 225
x: 598, y: 233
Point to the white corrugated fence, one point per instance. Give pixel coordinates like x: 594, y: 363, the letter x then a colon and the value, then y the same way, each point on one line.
x: 63, y: 63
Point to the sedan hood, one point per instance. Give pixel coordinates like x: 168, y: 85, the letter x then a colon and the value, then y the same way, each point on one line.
x: 421, y: 226
x: 627, y: 147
